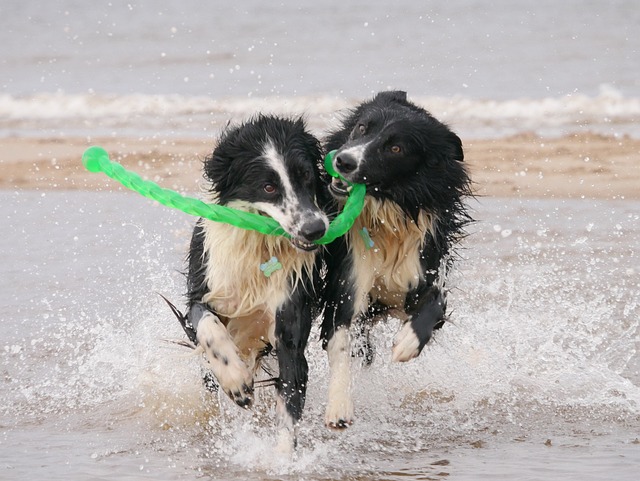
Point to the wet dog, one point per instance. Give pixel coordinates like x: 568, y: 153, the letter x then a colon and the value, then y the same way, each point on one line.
x: 248, y: 292
x: 394, y: 260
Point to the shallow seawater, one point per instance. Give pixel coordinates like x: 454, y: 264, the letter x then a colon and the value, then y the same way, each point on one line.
x: 536, y: 377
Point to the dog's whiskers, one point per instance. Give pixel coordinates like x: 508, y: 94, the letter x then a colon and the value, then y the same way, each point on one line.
x: 332, y: 213
x: 181, y: 342
x: 265, y: 382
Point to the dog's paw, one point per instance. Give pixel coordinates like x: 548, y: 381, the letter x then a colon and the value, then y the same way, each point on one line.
x: 240, y: 391
x: 232, y: 374
x: 406, y: 345
x: 339, y: 414
x: 234, y: 377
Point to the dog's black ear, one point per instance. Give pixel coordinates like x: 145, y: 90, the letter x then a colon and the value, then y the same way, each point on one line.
x: 218, y: 164
x: 309, y: 142
x: 299, y: 123
x: 397, y: 95
x: 456, y: 143
x: 216, y: 170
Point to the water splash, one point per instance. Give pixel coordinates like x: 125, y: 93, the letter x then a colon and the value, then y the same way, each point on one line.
x: 542, y: 343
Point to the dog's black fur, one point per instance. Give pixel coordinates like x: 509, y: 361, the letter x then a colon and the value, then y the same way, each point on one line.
x: 268, y: 165
x: 413, y: 168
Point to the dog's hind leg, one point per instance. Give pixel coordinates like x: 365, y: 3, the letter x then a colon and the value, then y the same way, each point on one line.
x: 362, y: 347
x: 232, y: 374
x: 293, y: 325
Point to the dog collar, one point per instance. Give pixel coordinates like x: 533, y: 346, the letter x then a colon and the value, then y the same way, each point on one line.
x: 96, y: 159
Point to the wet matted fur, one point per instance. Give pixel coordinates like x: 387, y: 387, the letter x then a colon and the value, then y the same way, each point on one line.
x: 395, y: 258
x: 237, y: 309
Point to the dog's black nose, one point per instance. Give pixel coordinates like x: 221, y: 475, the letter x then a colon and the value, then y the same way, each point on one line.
x: 346, y: 163
x: 313, y: 230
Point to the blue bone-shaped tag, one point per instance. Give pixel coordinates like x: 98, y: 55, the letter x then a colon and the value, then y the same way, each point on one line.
x: 368, y: 242
x: 270, y: 266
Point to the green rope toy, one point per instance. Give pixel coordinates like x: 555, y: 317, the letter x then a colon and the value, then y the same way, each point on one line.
x: 96, y: 159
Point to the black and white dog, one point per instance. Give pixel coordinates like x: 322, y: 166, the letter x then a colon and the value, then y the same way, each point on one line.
x: 394, y: 259
x: 248, y: 292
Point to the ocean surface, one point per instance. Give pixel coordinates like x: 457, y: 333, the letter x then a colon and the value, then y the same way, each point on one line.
x: 166, y: 69
x: 537, y: 377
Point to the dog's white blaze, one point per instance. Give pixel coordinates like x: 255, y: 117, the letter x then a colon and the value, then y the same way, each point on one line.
x: 287, y: 213
x: 357, y: 151
x: 405, y: 345
x: 222, y: 354
x: 284, y: 214
x: 339, y: 405
x: 276, y: 162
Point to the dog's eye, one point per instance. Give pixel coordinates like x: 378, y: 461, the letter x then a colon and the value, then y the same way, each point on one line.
x: 396, y: 149
x: 270, y: 188
x: 362, y: 129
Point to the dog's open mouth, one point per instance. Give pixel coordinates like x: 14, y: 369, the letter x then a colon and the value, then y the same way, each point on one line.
x: 302, y: 245
x: 339, y: 187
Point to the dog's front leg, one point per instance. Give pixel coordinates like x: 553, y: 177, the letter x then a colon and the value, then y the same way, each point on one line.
x: 339, y: 413
x: 426, y: 304
x: 233, y: 375
x: 293, y: 325
x: 427, y: 314
x: 339, y: 298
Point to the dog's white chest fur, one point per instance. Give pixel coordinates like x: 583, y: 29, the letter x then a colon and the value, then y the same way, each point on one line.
x: 389, y: 266
x: 237, y: 286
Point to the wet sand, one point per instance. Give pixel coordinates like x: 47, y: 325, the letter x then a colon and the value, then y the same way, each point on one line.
x: 574, y: 166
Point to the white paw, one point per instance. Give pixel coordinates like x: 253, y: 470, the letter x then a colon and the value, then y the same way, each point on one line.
x: 233, y: 375
x: 339, y: 412
x: 406, y: 345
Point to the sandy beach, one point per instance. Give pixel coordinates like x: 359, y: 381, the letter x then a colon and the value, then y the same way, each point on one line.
x: 574, y: 166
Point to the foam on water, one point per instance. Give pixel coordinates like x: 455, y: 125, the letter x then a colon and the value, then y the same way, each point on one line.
x: 543, y: 344
x: 58, y: 114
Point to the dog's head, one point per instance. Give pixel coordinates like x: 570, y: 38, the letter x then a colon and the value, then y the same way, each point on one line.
x: 400, y: 152
x: 270, y: 165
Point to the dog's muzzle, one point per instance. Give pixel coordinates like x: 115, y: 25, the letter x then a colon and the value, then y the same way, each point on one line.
x: 310, y: 231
